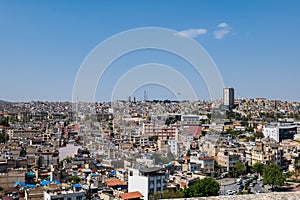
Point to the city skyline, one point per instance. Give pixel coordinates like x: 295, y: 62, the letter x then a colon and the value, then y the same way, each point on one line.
x: 254, y: 47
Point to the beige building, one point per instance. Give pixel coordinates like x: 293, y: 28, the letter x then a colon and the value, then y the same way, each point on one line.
x: 12, y: 176
x: 226, y: 159
x: 261, y: 157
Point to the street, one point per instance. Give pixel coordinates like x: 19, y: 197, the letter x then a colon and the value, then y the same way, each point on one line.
x: 227, y: 184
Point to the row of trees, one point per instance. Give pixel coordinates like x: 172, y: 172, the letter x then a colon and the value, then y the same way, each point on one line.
x: 272, y: 173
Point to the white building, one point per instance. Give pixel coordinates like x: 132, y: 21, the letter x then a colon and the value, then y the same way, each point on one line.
x: 228, y: 98
x: 141, y: 140
x: 64, y: 195
x: 147, y: 181
x: 173, y: 147
x: 192, y: 119
x: 280, y: 132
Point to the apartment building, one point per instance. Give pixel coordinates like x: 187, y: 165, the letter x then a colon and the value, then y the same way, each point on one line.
x: 147, y: 181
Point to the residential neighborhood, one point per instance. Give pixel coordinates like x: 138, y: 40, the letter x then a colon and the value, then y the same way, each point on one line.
x: 145, y: 149
x: 149, y: 100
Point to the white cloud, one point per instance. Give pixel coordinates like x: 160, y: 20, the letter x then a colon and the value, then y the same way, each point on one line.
x: 219, y: 34
x: 192, y: 33
x: 223, y: 25
x: 223, y: 30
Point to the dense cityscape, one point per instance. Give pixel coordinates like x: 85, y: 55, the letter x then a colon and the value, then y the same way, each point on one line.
x: 149, y: 100
x: 148, y: 149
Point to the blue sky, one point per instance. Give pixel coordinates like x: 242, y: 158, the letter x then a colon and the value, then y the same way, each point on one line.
x: 43, y: 43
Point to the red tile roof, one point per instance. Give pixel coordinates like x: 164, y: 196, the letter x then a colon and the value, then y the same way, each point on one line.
x: 114, y: 182
x: 131, y: 195
x: 195, y: 130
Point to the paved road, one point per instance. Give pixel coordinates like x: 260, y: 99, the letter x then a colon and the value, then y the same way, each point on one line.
x: 226, y: 181
x: 228, y: 184
x: 257, y: 188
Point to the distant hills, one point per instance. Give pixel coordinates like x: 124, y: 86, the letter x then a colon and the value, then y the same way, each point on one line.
x: 2, y: 101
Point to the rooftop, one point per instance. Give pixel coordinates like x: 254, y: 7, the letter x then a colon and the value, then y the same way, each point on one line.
x: 151, y: 169
x: 114, y: 182
x: 131, y: 195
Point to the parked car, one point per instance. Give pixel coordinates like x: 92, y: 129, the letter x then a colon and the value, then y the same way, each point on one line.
x: 230, y: 192
x: 241, y: 187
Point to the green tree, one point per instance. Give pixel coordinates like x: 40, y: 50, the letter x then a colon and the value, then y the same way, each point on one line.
x: 203, y: 188
x: 4, y: 121
x: 258, y: 167
x: 273, y: 175
x: 155, y: 196
x: 4, y: 137
x: 216, y: 166
x: 68, y: 159
x: 171, y: 194
x: 75, y: 179
x: 153, y: 138
x: 239, y: 168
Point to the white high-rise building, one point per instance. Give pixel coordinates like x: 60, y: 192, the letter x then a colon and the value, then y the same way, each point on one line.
x: 228, y: 98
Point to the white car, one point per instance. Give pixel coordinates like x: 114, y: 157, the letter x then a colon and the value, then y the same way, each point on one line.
x: 230, y: 192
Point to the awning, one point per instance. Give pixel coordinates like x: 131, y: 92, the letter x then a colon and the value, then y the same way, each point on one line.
x: 113, y: 173
x: 19, y: 183
x: 45, y: 182
x: 77, y: 186
x: 56, y: 182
